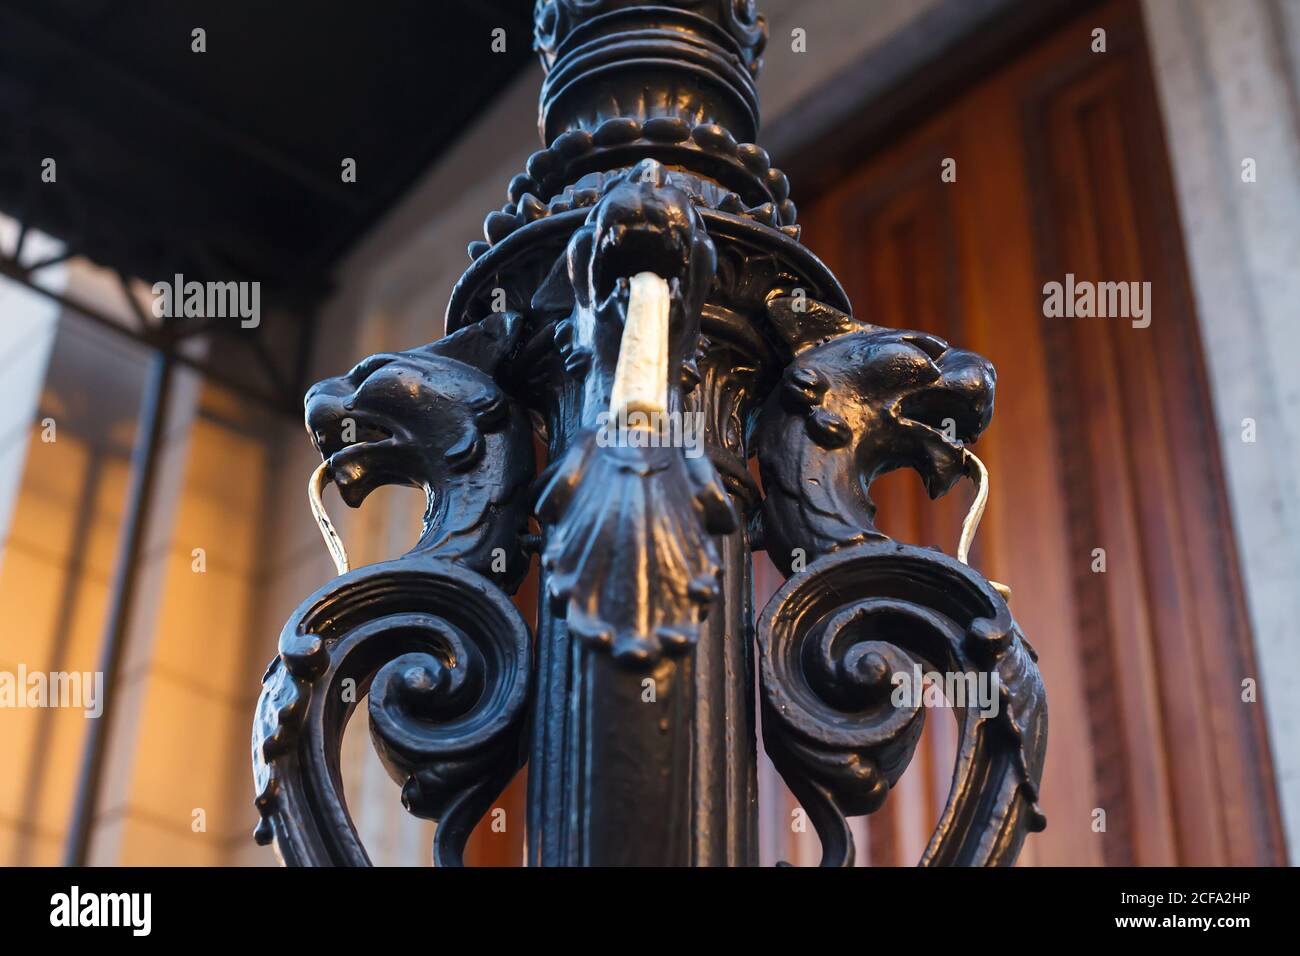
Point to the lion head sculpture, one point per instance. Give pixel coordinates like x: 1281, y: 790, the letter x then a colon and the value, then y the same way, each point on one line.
x: 434, y: 418
x: 641, y: 223
x: 861, y: 402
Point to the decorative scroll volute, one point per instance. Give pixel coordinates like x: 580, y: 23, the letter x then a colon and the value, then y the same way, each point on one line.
x: 445, y: 658
x: 831, y: 642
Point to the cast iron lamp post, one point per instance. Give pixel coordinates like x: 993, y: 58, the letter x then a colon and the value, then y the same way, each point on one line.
x: 645, y: 278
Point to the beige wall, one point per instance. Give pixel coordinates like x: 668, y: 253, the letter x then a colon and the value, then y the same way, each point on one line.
x: 179, y: 740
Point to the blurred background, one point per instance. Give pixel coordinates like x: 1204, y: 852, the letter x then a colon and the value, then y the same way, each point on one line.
x: 1144, y: 506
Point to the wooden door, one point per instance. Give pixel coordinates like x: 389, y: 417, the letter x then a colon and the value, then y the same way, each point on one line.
x: 1102, y: 449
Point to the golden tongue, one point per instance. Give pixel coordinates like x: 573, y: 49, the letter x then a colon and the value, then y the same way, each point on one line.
x: 315, y: 488
x: 979, y: 474
x: 641, y: 376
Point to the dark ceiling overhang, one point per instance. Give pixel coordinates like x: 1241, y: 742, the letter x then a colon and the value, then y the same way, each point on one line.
x: 227, y: 164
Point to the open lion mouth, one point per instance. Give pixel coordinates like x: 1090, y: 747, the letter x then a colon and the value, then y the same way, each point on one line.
x: 624, y: 251
x: 332, y: 443
x: 362, y: 466
x: 358, y: 448
x: 947, y: 415
x: 937, y: 423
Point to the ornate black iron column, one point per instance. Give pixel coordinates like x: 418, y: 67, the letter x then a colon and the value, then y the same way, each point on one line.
x: 643, y: 305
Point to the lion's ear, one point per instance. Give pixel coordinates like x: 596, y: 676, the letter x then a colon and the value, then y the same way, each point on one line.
x: 484, y: 345
x: 803, y: 322
x: 555, y: 294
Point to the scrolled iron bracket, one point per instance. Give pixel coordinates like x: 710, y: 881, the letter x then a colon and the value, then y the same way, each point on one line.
x: 432, y: 637
x: 849, y: 629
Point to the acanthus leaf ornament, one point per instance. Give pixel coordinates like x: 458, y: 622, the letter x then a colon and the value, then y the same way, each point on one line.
x: 633, y: 568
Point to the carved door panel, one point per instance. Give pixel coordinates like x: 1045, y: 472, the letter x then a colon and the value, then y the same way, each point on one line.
x: 1102, y: 449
